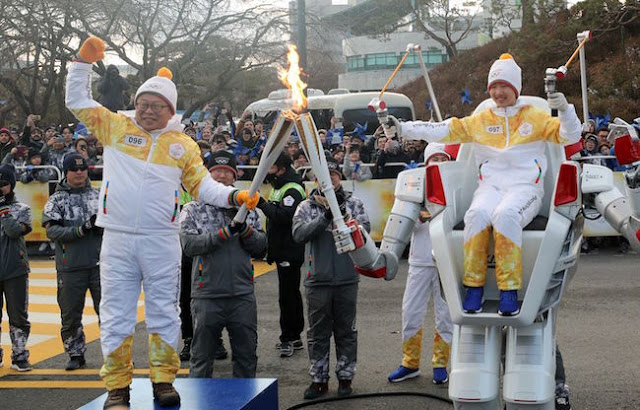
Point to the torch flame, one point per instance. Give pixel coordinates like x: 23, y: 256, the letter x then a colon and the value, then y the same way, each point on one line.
x: 291, y: 79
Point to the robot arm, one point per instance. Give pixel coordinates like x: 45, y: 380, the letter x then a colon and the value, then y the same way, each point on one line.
x: 383, y: 262
x: 622, y: 211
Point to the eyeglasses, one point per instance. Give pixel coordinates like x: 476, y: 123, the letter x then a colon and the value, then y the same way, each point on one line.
x: 75, y: 169
x: 155, y: 107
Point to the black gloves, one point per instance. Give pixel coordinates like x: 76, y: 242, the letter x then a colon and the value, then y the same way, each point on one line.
x: 89, y: 224
x: 236, y: 227
x: 261, y: 203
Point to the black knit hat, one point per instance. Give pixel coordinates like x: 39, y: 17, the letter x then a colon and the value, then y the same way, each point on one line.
x: 223, y: 159
x: 334, y: 166
x: 8, y: 174
x: 74, y: 161
x: 34, y: 153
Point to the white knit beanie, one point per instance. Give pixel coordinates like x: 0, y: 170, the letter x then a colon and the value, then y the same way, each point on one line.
x: 435, y: 148
x: 162, y: 86
x: 506, y: 70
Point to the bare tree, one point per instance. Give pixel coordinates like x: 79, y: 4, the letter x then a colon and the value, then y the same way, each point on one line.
x: 443, y: 21
x: 34, y: 39
x: 206, y: 43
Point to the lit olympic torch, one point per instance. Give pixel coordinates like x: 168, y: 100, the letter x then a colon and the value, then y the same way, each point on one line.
x: 281, y: 130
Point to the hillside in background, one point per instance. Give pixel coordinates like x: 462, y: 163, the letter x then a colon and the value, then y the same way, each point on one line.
x: 613, y: 68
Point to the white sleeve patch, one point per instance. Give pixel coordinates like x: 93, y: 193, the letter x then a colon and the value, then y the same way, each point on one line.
x: 288, y: 200
x: 176, y: 150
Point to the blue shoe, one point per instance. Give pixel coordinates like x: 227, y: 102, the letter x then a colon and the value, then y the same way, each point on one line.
x: 473, y: 299
x: 440, y: 375
x: 508, y: 303
x: 403, y: 373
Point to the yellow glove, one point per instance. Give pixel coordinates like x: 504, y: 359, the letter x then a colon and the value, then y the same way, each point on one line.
x: 92, y: 50
x: 243, y: 198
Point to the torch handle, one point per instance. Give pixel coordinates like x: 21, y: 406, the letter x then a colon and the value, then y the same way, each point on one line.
x: 312, y: 146
x: 393, y: 74
x: 275, y: 144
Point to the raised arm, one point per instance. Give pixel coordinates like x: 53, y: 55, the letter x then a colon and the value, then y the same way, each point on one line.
x: 566, y: 129
x: 79, y: 101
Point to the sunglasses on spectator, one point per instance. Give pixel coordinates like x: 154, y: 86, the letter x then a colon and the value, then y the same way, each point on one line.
x: 155, y: 107
x: 80, y: 168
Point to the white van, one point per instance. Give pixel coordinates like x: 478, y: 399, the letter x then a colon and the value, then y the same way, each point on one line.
x: 339, y: 103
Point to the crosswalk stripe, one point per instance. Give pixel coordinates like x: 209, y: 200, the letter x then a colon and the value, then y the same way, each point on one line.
x: 52, y: 269
x: 49, y: 283
x: 34, y: 339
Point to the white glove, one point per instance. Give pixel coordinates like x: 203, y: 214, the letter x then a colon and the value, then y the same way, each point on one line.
x: 392, y: 127
x: 557, y: 101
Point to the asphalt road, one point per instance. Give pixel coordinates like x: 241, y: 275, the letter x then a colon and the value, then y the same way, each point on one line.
x: 598, y: 333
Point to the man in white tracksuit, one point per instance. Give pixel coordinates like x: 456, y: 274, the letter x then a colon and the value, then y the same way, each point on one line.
x: 509, y: 140
x: 146, y: 160
x: 422, y: 280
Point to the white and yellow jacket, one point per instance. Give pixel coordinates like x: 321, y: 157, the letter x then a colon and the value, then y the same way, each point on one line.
x: 509, y: 142
x: 142, y: 171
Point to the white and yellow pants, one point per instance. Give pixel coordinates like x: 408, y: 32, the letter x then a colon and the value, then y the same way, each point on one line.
x: 421, y: 282
x: 126, y: 262
x: 507, y: 211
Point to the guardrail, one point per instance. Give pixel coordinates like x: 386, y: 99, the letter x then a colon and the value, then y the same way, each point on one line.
x: 376, y: 194
x: 31, y: 167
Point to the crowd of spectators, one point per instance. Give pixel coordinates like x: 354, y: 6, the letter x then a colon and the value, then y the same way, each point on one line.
x: 38, y: 153
x: 361, y: 156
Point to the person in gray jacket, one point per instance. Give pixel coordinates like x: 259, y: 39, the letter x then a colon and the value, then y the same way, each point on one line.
x: 222, y: 291
x: 69, y: 218
x: 331, y: 284
x: 15, y: 223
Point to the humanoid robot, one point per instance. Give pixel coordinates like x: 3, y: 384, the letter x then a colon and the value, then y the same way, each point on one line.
x: 550, y: 251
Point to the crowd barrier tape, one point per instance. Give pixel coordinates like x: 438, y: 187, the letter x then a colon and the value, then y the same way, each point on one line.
x: 376, y: 194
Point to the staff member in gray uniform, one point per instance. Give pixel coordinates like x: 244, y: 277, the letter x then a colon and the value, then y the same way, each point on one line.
x: 15, y: 223
x: 331, y: 284
x: 69, y: 217
x: 286, y: 193
x: 222, y: 291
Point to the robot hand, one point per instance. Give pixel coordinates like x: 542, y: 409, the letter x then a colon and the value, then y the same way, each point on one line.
x: 391, y: 127
x: 343, y: 239
x: 619, y: 127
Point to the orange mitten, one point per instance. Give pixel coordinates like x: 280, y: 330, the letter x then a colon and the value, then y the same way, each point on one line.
x: 92, y: 50
x: 244, y: 198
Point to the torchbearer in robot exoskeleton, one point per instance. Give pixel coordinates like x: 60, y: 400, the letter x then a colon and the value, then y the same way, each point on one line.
x: 511, y: 166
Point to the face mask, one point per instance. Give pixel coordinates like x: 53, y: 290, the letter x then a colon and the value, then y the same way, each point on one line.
x: 270, y: 178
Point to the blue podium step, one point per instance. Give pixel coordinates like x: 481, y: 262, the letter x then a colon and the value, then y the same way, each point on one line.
x: 227, y: 394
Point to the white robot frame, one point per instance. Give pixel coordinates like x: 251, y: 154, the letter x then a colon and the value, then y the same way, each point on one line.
x: 550, y: 251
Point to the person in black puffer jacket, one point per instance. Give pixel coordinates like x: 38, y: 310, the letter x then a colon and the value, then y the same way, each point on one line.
x: 287, y: 192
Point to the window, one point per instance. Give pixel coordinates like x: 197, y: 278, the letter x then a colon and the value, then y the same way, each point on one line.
x: 355, y: 63
x: 433, y: 58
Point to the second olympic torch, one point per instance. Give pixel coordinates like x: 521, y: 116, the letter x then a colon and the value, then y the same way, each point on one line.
x: 276, y: 141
